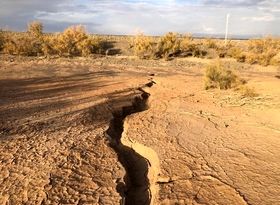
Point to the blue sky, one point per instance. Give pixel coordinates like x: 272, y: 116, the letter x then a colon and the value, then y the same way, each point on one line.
x: 247, y: 17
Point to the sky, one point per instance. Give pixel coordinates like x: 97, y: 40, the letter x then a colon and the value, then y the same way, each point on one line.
x: 247, y: 17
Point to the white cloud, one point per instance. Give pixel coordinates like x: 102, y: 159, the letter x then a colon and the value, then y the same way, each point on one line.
x: 152, y: 17
x: 264, y: 18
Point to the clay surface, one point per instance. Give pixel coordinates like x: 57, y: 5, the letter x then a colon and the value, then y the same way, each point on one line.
x: 180, y: 145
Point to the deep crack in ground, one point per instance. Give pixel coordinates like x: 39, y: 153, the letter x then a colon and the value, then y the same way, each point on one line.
x: 136, y: 186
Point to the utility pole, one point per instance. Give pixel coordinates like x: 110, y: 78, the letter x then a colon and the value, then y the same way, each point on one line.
x: 227, y: 22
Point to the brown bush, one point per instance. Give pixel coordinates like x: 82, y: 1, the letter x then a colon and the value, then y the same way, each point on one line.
x: 90, y: 45
x: 246, y: 91
x: 74, y: 41
x: 143, y: 46
x: 217, y: 76
x: 275, y: 60
x: 169, y: 45
x: 35, y: 29
x: 189, y: 47
x: 48, y: 45
x: 1, y: 39
x: 262, y: 51
x: 27, y: 44
x: 66, y: 43
x: 21, y: 44
x: 210, y: 43
x: 237, y: 53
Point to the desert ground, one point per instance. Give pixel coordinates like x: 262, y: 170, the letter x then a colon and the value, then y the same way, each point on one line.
x: 120, y: 130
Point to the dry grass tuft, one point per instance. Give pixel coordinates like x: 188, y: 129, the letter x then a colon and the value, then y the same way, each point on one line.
x: 246, y: 91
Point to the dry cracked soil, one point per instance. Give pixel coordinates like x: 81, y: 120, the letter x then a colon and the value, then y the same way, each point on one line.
x: 126, y: 131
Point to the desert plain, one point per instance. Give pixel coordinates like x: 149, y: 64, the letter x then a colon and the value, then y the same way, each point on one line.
x: 121, y: 130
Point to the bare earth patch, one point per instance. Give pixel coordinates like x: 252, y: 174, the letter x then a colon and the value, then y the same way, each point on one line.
x: 126, y: 131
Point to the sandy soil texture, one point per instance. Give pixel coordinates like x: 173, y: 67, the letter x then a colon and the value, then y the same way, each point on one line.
x: 124, y: 131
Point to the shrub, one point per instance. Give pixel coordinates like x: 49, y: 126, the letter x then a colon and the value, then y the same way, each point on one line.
x: 90, y: 45
x: 246, y: 91
x: 27, y: 44
x: 74, y: 41
x: 210, y: 43
x: 66, y: 43
x: 262, y: 51
x: 216, y: 76
x: 1, y: 40
x: 189, y: 48
x: 35, y: 29
x: 237, y: 53
x: 21, y: 44
x: 169, y: 45
x: 143, y: 46
x: 275, y: 60
x: 48, y: 45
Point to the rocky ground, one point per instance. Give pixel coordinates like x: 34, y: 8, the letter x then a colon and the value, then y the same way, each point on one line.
x: 118, y: 130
